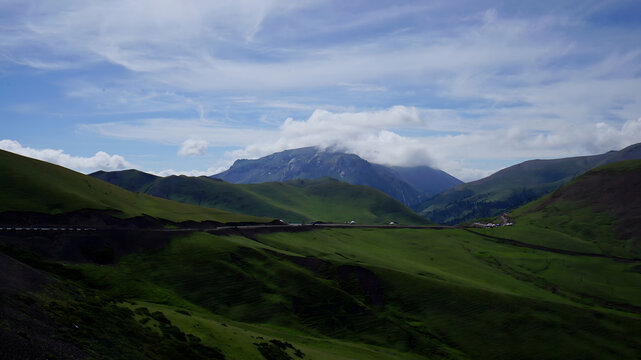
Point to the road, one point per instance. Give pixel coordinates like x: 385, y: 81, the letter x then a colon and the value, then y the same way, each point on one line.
x: 46, y: 228
x: 298, y: 227
x: 227, y: 227
x: 549, y: 249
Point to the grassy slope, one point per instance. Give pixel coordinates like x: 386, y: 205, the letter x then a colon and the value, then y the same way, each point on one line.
x: 488, y: 299
x: 598, y: 212
x: 445, y: 293
x: 355, y: 293
x: 48, y: 314
x: 235, y: 339
x: 504, y: 190
x: 325, y: 199
x: 514, y: 186
x: 333, y: 201
x: 258, y: 294
x: 33, y: 185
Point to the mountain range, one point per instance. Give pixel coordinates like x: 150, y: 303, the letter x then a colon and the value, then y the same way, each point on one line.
x: 409, y: 185
x: 514, y: 186
x: 549, y: 286
x: 433, y: 194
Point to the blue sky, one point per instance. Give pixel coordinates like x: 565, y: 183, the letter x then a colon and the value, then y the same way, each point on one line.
x: 189, y: 86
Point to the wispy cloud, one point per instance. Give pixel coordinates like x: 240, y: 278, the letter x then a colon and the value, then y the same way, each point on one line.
x: 176, y: 132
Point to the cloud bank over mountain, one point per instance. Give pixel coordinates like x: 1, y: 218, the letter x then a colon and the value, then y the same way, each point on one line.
x: 403, y: 136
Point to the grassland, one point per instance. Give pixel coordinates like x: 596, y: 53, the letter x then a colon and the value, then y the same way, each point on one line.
x: 343, y: 293
x: 396, y: 293
x: 36, y: 186
x: 598, y: 212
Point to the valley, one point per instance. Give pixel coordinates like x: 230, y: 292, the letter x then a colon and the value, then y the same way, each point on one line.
x: 94, y: 276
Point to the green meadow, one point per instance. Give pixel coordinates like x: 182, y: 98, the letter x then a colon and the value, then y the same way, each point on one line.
x: 384, y: 293
x: 597, y: 212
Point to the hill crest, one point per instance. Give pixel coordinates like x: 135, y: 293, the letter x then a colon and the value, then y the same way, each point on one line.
x: 35, y: 186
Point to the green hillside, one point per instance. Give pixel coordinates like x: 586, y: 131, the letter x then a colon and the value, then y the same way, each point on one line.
x: 513, y: 187
x: 36, y: 186
x: 355, y: 294
x: 597, y: 212
x: 563, y: 282
x: 322, y: 199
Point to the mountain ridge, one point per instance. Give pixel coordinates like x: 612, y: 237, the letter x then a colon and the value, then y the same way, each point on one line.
x: 402, y: 183
x: 509, y: 188
x: 324, y: 199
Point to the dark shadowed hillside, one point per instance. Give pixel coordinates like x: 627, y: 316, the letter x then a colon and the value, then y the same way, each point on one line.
x: 602, y: 207
x: 426, y: 179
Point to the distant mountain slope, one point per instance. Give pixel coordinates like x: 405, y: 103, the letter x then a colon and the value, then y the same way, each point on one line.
x: 37, y: 186
x: 599, y: 209
x: 410, y: 186
x: 132, y: 180
x: 424, y: 178
x: 322, y: 199
x: 513, y: 186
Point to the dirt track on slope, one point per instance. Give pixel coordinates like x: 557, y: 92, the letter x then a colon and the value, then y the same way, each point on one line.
x: 553, y: 250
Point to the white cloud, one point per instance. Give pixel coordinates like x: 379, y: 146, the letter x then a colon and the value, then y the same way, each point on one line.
x: 208, y: 172
x: 193, y: 147
x: 100, y: 161
x: 375, y: 137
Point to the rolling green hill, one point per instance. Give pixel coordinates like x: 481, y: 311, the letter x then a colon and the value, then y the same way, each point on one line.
x: 600, y: 212
x: 344, y: 294
x: 563, y: 282
x: 322, y: 199
x: 514, y: 186
x: 36, y: 186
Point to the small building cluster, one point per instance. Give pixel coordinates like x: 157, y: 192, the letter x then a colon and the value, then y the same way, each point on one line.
x: 491, y: 225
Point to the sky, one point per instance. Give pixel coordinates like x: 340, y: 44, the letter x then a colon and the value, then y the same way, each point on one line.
x: 187, y: 87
